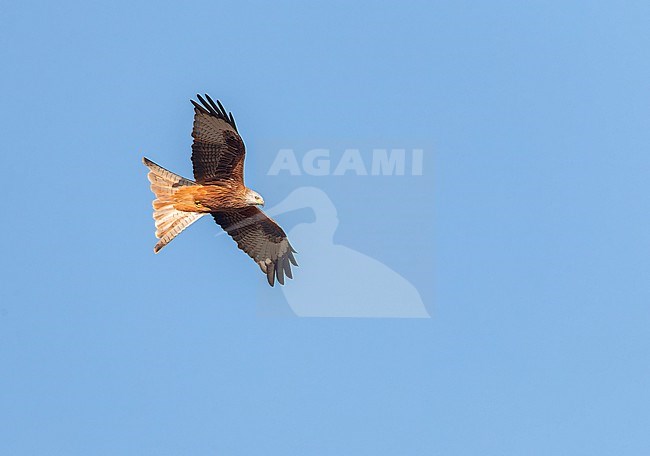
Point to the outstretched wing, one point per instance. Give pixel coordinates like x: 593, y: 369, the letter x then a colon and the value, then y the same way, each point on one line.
x: 218, y: 150
x: 261, y: 238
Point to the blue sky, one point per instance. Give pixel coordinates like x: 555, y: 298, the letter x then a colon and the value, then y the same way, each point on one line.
x: 526, y: 236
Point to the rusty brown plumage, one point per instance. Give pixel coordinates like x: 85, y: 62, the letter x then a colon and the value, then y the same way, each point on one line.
x: 210, y: 197
x: 218, y: 154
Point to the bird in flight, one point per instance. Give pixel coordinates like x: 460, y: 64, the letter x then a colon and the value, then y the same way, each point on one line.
x: 218, y: 189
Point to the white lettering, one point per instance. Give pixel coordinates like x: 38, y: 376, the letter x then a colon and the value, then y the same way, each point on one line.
x: 285, y: 160
x: 319, y: 156
x: 385, y: 165
x: 351, y: 161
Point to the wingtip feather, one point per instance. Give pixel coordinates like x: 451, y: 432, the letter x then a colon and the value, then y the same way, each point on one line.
x: 279, y: 272
x: 270, y: 274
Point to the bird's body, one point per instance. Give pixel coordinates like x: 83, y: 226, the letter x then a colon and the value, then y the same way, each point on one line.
x: 210, y: 198
x: 218, y: 160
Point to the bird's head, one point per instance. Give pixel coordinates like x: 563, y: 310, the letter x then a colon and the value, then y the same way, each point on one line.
x: 254, y: 199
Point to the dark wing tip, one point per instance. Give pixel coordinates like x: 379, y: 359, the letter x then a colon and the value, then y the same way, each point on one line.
x: 221, y: 108
x: 232, y: 121
x: 287, y: 266
x: 282, y: 267
x: 208, y: 106
x: 270, y: 273
x: 199, y: 107
x: 279, y: 269
x: 292, y: 258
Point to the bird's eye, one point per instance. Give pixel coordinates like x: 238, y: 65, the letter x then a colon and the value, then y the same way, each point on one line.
x: 198, y: 203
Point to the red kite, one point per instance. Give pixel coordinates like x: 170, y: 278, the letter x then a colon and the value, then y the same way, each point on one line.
x: 218, y: 160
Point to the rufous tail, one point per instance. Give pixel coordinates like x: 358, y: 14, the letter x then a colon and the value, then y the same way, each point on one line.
x: 169, y: 221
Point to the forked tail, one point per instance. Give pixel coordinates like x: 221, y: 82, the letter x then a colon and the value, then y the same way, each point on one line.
x: 169, y: 221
